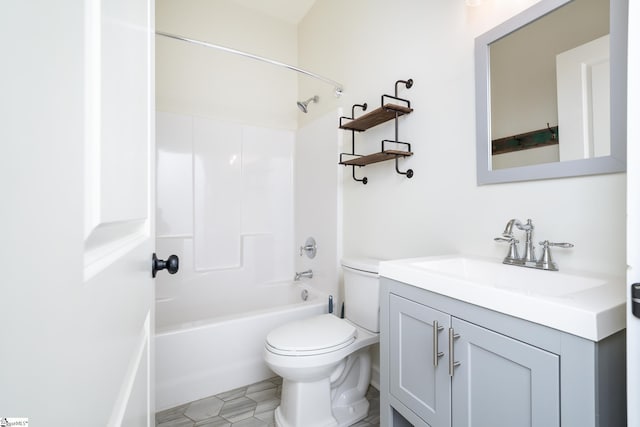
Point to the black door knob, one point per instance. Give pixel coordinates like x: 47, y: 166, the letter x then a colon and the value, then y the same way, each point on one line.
x: 172, y: 264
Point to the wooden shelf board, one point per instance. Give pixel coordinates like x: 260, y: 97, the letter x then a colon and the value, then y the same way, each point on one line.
x: 377, y: 157
x: 377, y: 116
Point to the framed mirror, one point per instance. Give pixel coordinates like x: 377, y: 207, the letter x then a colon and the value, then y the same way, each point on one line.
x: 551, y: 92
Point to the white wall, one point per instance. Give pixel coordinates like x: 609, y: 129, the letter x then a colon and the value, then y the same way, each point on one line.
x: 367, y: 46
x: 206, y: 82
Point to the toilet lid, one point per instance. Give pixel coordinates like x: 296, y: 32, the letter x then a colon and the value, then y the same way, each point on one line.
x: 314, y: 335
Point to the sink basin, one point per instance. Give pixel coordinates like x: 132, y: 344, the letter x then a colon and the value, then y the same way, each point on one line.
x: 516, y: 279
x: 582, y: 304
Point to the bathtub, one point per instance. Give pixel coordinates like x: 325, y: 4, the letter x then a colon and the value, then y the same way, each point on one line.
x: 205, y: 347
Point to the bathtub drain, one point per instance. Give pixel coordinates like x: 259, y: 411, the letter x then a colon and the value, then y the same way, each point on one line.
x: 304, y: 294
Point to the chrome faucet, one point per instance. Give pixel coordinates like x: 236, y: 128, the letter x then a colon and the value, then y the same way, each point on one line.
x: 306, y: 273
x: 529, y: 257
x: 507, y: 236
x: 529, y: 249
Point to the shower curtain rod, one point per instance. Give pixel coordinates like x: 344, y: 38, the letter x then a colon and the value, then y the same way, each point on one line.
x: 338, y: 87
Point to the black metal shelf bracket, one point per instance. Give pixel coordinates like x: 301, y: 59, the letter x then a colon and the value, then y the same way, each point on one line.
x: 353, y: 167
x: 408, y: 173
x: 408, y: 84
x: 353, y: 112
x: 364, y: 180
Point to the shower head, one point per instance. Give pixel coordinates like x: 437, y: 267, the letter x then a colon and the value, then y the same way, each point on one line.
x: 303, y: 105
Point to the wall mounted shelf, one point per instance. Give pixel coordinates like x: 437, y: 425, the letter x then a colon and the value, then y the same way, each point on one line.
x: 391, y: 110
x: 376, y: 157
x: 376, y: 117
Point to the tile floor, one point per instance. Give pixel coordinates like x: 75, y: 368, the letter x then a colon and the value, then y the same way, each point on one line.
x: 250, y: 406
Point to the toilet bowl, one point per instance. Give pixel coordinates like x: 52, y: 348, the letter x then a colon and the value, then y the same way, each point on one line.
x: 325, y: 361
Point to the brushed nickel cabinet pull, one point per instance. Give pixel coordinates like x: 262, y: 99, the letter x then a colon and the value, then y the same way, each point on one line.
x: 452, y: 362
x: 436, y: 354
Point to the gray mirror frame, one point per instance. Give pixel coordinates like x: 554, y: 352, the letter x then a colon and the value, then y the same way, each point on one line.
x: 617, y: 162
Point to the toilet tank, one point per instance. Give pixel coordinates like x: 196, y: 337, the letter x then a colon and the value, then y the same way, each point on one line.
x: 362, y: 292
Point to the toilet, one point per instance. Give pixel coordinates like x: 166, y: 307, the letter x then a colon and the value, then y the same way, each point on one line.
x: 324, y: 360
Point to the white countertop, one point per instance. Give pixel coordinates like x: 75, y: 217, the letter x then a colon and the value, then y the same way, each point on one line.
x: 586, y: 305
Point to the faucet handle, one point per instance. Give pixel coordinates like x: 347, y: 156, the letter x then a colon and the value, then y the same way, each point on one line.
x: 547, y: 243
x: 545, y: 262
x: 512, y: 257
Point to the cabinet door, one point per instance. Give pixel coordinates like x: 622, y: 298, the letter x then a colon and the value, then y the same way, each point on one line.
x: 414, y: 378
x: 502, y: 382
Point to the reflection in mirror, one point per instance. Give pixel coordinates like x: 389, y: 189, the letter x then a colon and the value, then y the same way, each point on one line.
x: 527, y: 67
x: 551, y: 92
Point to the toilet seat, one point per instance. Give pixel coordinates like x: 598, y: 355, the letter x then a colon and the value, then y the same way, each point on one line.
x: 312, y: 336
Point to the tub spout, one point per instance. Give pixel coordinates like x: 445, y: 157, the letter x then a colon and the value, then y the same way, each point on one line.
x: 306, y: 273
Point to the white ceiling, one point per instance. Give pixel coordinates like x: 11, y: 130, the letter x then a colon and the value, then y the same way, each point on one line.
x: 289, y: 10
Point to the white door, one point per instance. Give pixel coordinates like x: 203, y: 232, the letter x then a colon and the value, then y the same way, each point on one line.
x: 76, y: 212
x: 582, y: 76
x: 633, y: 212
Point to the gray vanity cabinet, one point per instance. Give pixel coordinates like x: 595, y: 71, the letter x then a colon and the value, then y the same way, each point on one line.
x: 501, y: 381
x: 414, y: 379
x: 496, y: 381
x: 447, y: 363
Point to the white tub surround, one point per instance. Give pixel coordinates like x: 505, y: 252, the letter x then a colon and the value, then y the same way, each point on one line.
x: 204, y: 164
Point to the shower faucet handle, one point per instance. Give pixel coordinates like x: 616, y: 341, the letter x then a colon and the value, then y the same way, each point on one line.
x: 309, y: 248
